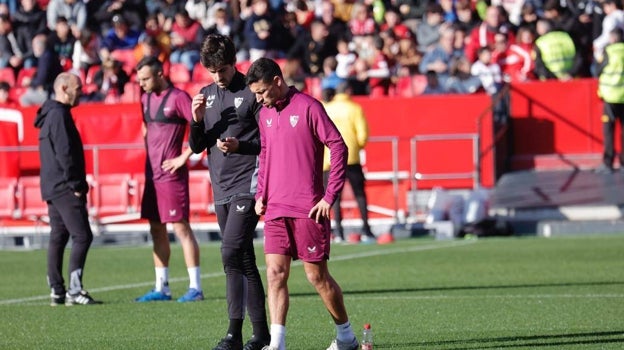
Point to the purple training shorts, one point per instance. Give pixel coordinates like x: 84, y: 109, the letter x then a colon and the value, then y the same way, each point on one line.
x: 301, y: 238
x: 165, y: 201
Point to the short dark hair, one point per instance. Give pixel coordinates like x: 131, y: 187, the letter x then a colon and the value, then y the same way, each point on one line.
x: 5, y: 86
x: 152, y: 62
x: 217, y: 50
x: 553, y: 5
x: 618, y: 34
x: 263, y: 70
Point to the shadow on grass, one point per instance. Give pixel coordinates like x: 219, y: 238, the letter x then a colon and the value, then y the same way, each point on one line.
x: 459, y: 288
x: 545, y: 340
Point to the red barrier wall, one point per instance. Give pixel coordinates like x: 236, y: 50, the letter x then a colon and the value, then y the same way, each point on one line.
x: 431, y: 115
x: 98, y: 124
x: 554, y: 124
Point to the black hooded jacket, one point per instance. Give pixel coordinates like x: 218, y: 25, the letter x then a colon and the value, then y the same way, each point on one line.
x: 60, y: 151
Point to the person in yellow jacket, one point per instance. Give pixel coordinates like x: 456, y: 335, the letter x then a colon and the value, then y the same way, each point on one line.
x: 351, y: 122
x: 611, y: 90
x: 555, y: 53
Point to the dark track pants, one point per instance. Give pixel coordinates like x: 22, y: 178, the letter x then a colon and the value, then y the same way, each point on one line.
x: 237, y: 221
x: 68, y: 218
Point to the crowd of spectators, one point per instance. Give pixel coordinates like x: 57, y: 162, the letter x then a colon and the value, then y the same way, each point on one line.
x: 460, y: 46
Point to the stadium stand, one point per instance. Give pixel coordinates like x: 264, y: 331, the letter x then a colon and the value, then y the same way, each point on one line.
x: 7, y: 74
x: 127, y: 58
x: 192, y: 87
x: 29, y: 203
x: 419, y: 83
x: 179, y: 74
x: 404, y: 87
x: 25, y: 73
x: 90, y: 76
x: 8, y: 200
x: 313, y: 86
x: 110, y: 194
x: 201, y: 75
x: 132, y: 93
x: 136, y: 188
x: 243, y: 66
x: 201, y: 199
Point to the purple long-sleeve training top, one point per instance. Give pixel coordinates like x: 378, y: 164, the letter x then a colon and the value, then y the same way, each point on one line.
x: 290, y: 178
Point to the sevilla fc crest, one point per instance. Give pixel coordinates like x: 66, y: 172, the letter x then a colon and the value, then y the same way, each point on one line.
x: 238, y: 101
x: 293, y: 120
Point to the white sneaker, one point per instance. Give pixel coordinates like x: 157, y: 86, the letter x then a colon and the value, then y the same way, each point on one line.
x: 338, y: 345
x: 337, y: 240
x: 269, y: 348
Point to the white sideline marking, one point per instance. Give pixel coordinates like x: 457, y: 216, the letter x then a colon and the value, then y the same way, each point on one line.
x: 486, y: 296
x: 450, y: 244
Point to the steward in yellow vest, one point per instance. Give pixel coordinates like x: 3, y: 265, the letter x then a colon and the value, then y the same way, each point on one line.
x: 611, y: 91
x: 556, y: 56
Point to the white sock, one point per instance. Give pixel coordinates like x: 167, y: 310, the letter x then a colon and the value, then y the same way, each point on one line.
x: 278, y: 335
x: 344, y: 332
x: 194, y: 277
x: 162, y: 279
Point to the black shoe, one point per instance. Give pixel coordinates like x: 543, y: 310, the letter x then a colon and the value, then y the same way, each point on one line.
x: 256, y: 344
x: 229, y: 343
x: 57, y: 299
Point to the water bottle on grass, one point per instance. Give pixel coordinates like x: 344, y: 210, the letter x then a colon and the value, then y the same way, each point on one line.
x: 367, y: 337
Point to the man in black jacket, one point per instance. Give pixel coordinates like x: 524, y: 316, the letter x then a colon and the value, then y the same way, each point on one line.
x: 64, y: 187
x: 225, y: 123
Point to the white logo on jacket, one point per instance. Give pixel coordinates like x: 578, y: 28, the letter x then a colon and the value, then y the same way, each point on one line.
x: 240, y: 208
x: 172, y: 212
x: 238, y: 101
x: 293, y: 120
x: 269, y: 122
x: 210, y: 101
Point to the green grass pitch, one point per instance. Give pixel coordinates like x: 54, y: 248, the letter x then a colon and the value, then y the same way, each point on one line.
x: 495, y: 293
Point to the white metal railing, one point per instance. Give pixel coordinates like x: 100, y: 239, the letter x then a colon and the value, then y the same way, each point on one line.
x: 394, y: 175
x: 417, y: 175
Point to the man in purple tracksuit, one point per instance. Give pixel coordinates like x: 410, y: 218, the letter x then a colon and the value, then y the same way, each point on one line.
x: 294, y: 128
x: 166, y: 114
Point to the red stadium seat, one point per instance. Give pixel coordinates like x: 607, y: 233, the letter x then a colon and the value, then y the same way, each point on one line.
x: 29, y: 202
x: 132, y: 93
x: 8, y: 199
x: 7, y: 74
x: 111, y: 97
x: 419, y: 83
x: 200, y: 189
x: 178, y: 73
x: 43, y: 4
x: 243, y: 66
x: 313, y: 87
x: 127, y: 59
x: 192, y: 88
x: 90, y: 76
x: 201, y: 75
x: 16, y: 92
x: 281, y: 62
x: 404, y: 87
x: 137, y: 186
x: 25, y: 73
x: 111, y: 195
